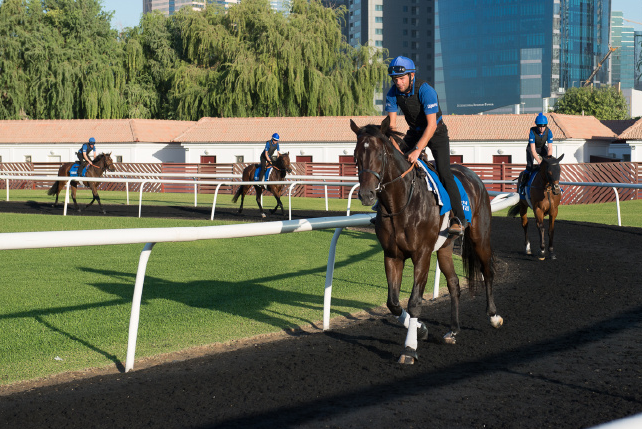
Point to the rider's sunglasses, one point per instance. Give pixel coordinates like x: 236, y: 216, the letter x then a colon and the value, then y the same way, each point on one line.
x: 396, y: 69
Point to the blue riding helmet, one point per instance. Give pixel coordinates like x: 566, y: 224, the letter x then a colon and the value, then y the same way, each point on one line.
x: 92, y: 140
x: 401, y: 66
x: 541, y: 120
x: 275, y: 137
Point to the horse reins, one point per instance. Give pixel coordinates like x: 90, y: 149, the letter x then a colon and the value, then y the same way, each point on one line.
x: 382, y: 186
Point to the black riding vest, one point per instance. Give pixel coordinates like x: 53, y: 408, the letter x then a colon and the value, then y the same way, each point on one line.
x: 272, y: 148
x: 540, y: 141
x: 413, y: 110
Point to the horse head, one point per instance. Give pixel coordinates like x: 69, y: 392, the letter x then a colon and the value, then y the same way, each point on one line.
x: 550, y: 170
x: 105, y: 162
x: 283, y: 162
x: 370, y: 155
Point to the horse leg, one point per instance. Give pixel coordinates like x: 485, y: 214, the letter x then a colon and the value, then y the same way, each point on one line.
x: 523, y: 212
x: 278, y: 204
x: 483, y: 252
x: 551, y: 233
x: 539, y: 220
x: 94, y: 190
x: 259, y: 192
x: 445, y: 261
x: 417, y: 330
x: 243, y: 190
x: 74, y: 188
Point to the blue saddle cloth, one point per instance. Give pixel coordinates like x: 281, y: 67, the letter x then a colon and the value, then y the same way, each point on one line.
x: 445, y: 198
x: 256, y: 173
x: 73, y: 172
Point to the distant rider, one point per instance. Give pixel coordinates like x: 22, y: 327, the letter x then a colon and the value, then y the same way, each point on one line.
x: 83, y: 153
x: 270, y: 153
x: 540, y: 144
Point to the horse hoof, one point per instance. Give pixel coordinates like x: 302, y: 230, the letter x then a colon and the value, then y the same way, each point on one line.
x: 408, y: 357
x: 541, y: 257
x: 553, y: 256
x: 263, y: 215
x: 496, y: 321
x: 449, y: 338
x: 422, y: 331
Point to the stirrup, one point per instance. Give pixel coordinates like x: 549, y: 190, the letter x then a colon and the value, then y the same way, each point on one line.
x: 456, y: 228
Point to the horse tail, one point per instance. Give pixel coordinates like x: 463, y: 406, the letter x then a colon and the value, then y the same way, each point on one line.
x: 472, y: 264
x: 54, y: 189
x: 238, y: 193
x: 513, y: 211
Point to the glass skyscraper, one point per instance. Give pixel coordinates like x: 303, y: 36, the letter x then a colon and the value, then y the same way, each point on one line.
x: 495, y: 55
x: 622, y: 60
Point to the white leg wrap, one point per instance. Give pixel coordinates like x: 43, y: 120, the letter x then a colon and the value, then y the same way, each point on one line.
x: 411, y: 337
x: 404, y: 319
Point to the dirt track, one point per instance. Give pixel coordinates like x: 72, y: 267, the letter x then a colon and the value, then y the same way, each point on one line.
x: 568, y: 356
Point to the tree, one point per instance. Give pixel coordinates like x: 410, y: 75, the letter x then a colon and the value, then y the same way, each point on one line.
x: 603, y: 103
x: 253, y: 61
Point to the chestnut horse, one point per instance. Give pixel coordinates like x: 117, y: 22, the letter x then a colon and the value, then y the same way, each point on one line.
x: 545, y: 196
x: 101, y: 163
x: 409, y: 226
x: 280, y: 168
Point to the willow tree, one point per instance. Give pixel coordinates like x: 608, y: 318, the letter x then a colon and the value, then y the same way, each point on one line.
x: 64, y: 59
x: 253, y: 61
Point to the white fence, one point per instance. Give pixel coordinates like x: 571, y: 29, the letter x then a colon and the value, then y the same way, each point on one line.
x: 296, y: 180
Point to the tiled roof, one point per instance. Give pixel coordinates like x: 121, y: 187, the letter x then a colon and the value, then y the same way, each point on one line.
x: 303, y: 129
x: 634, y: 132
x: 516, y: 127
x: 80, y: 130
x: 299, y: 129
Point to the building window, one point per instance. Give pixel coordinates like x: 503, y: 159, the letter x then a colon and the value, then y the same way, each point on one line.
x: 27, y: 158
x: 240, y: 158
x: 378, y: 19
x: 379, y: 7
x: 0, y: 158
x: 379, y: 31
x: 119, y: 158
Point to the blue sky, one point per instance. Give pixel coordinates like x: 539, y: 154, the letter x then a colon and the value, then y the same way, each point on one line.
x: 128, y: 12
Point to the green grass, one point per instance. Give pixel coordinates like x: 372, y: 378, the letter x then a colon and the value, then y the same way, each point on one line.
x: 68, y: 309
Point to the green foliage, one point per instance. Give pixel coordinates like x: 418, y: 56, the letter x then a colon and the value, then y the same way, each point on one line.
x: 59, y: 59
x: 603, y: 103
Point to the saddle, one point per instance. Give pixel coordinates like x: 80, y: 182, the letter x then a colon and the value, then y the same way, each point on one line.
x: 75, y: 170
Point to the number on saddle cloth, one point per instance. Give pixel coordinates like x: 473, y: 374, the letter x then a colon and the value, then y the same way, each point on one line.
x: 73, y: 171
x: 256, y: 173
x: 435, y: 185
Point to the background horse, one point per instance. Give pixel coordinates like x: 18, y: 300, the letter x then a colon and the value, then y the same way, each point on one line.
x: 409, y: 226
x: 102, y: 163
x: 545, y: 198
x: 280, y: 168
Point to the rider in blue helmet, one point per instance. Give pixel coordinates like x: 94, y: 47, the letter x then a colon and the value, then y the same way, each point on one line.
x: 83, y: 153
x: 540, y: 144
x: 419, y: 103
x: 269, y: 154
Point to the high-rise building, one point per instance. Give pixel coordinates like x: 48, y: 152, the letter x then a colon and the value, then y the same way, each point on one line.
x: 622, y: 60
x: 403, y: 27
x: 502, y: 56
x: 169, y: 7
x: 637, y: 61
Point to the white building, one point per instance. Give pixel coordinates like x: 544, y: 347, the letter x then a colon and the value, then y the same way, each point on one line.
x: 474, y: 139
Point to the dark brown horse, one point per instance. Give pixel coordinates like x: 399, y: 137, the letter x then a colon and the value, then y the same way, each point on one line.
x: 545, y: 196
x: 281, y: 167
x: 101, y: 163
x: 409, y: 226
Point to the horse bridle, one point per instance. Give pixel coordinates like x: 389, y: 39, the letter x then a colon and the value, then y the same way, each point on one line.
x: 382, y: 186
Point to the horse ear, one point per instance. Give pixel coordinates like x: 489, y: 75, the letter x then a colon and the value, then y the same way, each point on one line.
x: 354, y: 127
x: 385, y: 125
x: 560, y: 158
